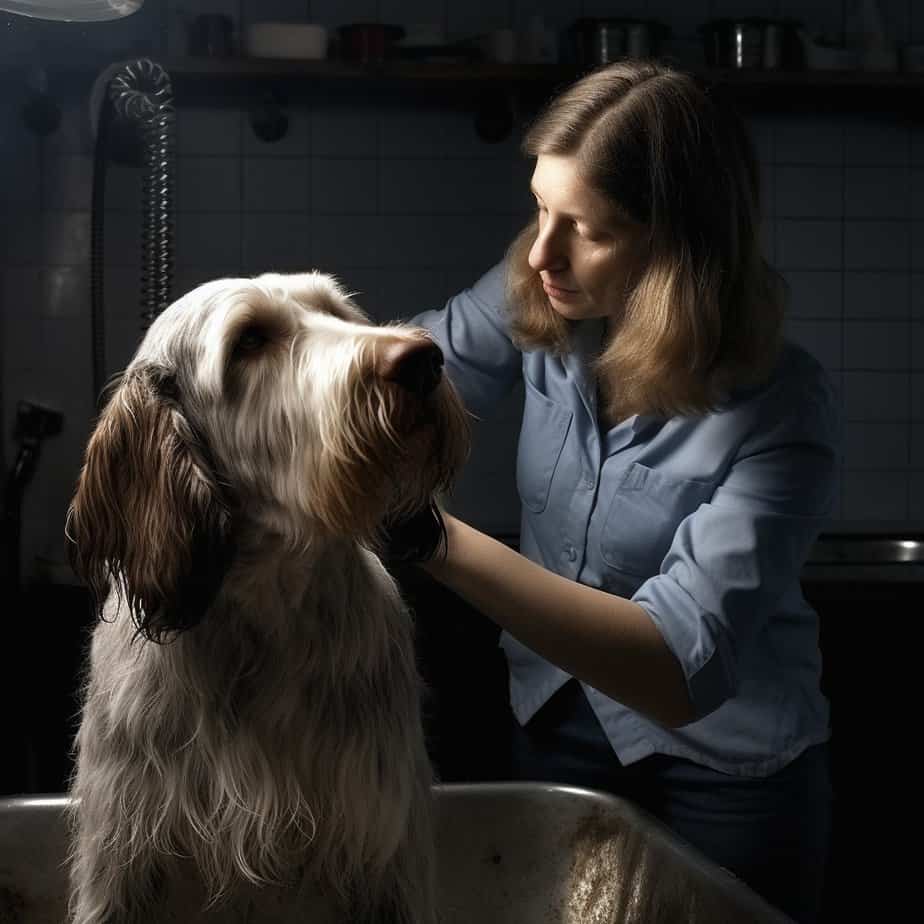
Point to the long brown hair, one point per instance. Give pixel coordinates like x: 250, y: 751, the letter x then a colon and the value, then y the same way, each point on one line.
x: 705, y: 314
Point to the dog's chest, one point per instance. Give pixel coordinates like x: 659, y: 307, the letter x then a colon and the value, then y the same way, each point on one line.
x: 186, y: 899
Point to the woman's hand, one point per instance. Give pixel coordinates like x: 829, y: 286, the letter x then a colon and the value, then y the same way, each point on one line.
x: 606, y: 641
x: 413, y: 539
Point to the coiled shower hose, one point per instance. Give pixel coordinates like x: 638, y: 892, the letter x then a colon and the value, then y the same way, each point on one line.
x: 139, y: 93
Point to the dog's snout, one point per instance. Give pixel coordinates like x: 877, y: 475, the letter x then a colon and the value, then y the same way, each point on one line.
x: 416, y: 365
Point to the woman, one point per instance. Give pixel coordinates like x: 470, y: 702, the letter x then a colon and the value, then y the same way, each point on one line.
x: 675, y: 464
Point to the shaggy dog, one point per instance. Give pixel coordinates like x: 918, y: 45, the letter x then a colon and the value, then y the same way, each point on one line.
x: 250, y: 745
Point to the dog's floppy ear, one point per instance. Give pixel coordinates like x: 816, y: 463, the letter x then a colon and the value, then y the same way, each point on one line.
x: 147, y: 513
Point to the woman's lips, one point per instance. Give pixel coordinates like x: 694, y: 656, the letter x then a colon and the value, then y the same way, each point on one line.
x: 554, y: 291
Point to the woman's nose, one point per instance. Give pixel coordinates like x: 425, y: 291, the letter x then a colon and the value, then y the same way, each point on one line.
x: 547, y: 252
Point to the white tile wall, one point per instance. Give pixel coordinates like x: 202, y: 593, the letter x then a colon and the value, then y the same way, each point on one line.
x: 67, y: 181
x: 211, y: 184
x: 876, y: 395
x: 917, y: 245
x: 810, y: 244
x: 916, y: 494
x: 407, y: 204
x: 820, y: 338
x: 123, y: 237
x: 273, y: 184
x: 22, y: 168
x: 270, y: 241
x: 804, y: 191
x: 419, y: 132
x: 878, y: 295
x: 295, y: 143
x: 876, y: 141
x: 878, y: 192
x: 66, y: 236
x: 208, y: 237
x: 874, y: 445
x: 916, y: 450
x: 344, y: 186
x: 815, y: 294
x: 881, y: 345
x: 20, y: 292
x: 386, y: 293
x: 21, y: 235
x: 483, y: 187
x: 917, y: 397
x: 877, y: 245
x: 877, y: 496
x: 204, y: 130
x: 809, y: 139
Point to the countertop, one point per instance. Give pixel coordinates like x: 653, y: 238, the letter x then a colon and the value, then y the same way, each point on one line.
x: 886, y: 552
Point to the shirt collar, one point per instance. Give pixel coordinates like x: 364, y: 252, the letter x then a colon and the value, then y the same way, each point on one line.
x: 586, y: 346
x: 587, y: 339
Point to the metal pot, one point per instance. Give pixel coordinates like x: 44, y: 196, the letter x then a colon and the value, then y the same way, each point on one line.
x: 753, y: 43
x: 590, y: 41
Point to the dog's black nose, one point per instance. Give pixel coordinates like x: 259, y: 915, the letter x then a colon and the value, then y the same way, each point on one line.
x: 416, y: 365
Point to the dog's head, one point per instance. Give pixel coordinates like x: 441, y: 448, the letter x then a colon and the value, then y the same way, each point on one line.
x: 269, y: 403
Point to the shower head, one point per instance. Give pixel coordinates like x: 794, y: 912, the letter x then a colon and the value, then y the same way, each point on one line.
x: 72, y: 10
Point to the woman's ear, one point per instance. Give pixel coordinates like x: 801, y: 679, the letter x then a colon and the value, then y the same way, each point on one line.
x: 146, y: 514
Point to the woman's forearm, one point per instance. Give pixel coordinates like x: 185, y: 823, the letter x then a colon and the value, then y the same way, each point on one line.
x: 606, y: 641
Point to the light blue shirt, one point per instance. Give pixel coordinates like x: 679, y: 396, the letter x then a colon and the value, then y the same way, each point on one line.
x: 703, y: 521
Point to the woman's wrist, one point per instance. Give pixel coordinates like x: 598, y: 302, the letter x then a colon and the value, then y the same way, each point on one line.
x: 607, y: 641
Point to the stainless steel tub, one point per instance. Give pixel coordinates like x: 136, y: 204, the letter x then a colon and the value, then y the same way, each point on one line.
x: 508, y: 853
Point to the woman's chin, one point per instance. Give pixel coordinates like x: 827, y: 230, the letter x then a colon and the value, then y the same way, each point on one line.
x: 571, y: 310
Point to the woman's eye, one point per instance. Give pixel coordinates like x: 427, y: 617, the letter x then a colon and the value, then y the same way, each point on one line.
x: 593, y: 234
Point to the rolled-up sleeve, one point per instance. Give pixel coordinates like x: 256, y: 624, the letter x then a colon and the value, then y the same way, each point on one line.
x: 481, y: 360
x: 734, y: 559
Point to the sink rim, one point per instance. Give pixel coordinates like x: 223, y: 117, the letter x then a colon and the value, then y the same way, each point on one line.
x: 447, y: 793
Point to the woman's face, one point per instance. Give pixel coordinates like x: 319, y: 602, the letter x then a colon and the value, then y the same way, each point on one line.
x: 587, y: 253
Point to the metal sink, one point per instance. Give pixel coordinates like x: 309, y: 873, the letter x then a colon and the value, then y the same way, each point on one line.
x: 508, y: 853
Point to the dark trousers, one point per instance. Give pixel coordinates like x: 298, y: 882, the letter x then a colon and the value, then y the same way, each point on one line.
x: 772, y: 833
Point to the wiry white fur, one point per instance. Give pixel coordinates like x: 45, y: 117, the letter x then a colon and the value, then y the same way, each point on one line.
x: 277, y: 742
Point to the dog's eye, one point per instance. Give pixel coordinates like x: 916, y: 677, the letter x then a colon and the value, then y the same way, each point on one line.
x: 251, y: 340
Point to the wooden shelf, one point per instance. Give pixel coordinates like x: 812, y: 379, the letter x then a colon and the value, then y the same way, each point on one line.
x: 451, y: 71
x: 822, y: 80
x: 480, y: 71
x: 795, y: 90
x: 406, y: 71
x: 820, y: 91
x: 806, y: 91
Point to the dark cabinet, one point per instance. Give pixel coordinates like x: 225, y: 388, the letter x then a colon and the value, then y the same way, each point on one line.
x: 869, y: 644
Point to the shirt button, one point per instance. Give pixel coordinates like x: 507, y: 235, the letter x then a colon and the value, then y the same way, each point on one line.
x: 570, y: 552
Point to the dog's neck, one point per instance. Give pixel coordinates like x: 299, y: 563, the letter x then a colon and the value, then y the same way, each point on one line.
x: 274, y: 579
x: 267, y: 556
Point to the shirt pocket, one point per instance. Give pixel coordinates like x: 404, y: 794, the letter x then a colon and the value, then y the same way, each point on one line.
x: 542, y: 438
x: 643, y: 516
